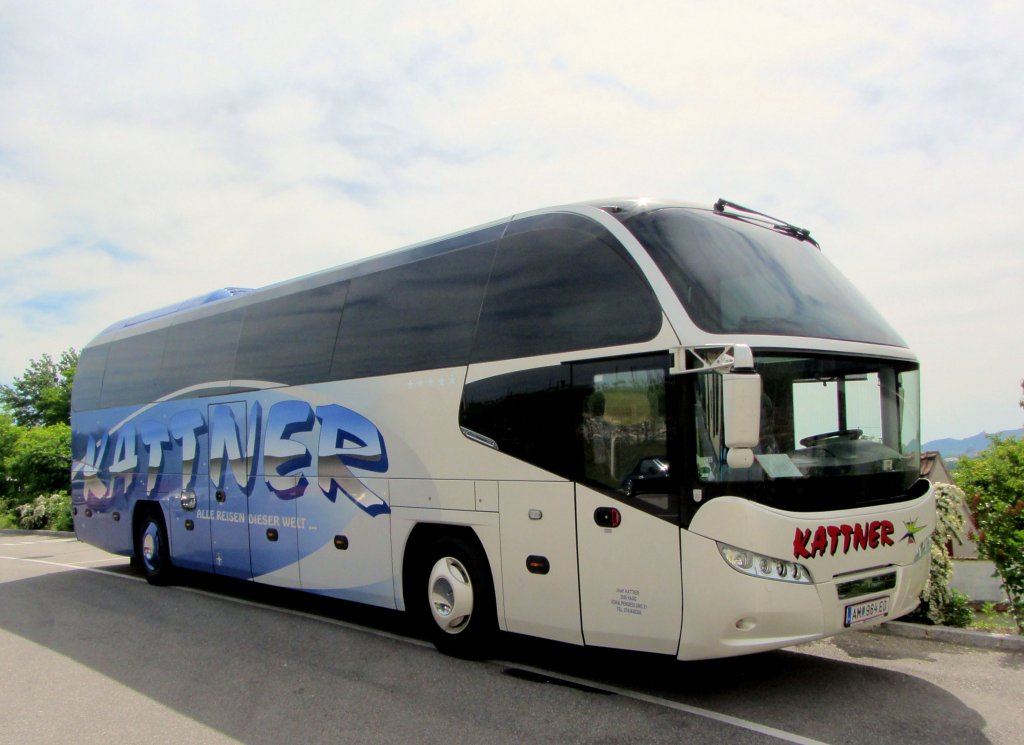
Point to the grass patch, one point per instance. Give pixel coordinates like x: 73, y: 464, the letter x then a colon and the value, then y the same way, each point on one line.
x: 993, y: 618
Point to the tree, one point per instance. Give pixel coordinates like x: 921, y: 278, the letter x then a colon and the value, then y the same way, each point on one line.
x: 994, y: 484
x: 39, y: 463
x: 9, y: 436
x: 42, y: 395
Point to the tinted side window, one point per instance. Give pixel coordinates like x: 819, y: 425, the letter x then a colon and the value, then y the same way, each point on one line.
x: 562, y: 282
x: 413, y: 317
x: 133, y: 370
x: 528, y: 414
x: 85, y: 393
x: 290, y: 340
x: 201, y: 351
x: 625, y: 432
x: 605, y: 424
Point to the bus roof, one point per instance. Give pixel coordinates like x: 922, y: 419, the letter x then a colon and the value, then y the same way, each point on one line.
x: 619, y: 208
x: 169, y: 310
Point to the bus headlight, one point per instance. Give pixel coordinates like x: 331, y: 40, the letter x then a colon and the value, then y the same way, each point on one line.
x: 766, y: 567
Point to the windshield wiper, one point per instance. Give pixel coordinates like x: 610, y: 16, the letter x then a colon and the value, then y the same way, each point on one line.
x: 765, y: 221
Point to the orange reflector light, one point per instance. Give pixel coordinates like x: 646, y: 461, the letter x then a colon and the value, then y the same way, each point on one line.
x: 537, y: 565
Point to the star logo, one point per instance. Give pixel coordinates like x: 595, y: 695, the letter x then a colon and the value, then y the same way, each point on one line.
x: 912, y: 530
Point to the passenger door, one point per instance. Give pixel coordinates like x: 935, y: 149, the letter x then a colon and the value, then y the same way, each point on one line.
x: 627, y: 534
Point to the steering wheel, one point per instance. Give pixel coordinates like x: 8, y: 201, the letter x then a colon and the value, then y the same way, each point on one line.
x: 839, y: 434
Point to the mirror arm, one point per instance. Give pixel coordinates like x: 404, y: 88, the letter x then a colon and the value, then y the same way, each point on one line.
x: 732, y: 358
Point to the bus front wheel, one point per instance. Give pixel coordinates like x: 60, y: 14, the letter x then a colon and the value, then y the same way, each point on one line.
x: 151, y: 548
x: 460, y: 599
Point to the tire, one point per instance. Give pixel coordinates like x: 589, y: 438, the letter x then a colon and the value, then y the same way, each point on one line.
x: 457, y: 598
x: 151, y: 548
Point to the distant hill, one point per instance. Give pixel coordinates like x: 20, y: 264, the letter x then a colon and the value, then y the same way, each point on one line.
x: 969, y: 446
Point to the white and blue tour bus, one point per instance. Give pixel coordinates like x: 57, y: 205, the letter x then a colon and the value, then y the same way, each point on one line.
x: 643, y: 425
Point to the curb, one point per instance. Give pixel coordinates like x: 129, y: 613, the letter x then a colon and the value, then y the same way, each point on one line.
x: 963, y: 637
x: 51, y: 533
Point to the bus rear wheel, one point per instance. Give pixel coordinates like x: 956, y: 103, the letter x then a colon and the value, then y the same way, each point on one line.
x: 151, y: 548
x: 460, y: 614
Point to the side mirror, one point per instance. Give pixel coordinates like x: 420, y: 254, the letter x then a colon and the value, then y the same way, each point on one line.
x: 741, y: 413
x: 741, y: 394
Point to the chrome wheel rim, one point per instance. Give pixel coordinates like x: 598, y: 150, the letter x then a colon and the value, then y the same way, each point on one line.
x: 151, y: 547
x: 450, y: 595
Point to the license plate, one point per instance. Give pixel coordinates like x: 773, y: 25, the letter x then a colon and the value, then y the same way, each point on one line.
x: 866, y: 611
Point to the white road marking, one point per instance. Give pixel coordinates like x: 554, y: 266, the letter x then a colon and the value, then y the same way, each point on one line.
x: 669, y: 704
x: 304, y: 614
x: 733, y: 721
x: 75, y: 567
x: 45, y: 540
x: 101, y: 561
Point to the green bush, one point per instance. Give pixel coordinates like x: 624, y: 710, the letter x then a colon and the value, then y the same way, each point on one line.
x: 58, y: 512
x: 40, y: 462
x: 46, y: 512
x: 994, y: 484
x: 958, y: 610
x: 940, y: 603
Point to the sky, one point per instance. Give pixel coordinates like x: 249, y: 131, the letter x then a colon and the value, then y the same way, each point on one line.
x: 151, y: 152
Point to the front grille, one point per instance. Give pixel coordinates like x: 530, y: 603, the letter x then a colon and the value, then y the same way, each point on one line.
x: 866, y: 586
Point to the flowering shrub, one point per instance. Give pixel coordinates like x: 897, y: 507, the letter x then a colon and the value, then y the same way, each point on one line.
x: 51, y: 512
x: 940, y: 603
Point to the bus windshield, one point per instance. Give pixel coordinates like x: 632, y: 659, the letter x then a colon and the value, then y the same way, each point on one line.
x: 836, y: 432
x: 737, y: 278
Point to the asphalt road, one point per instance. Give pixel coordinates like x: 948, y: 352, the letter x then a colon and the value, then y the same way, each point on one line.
x: 90, y: 653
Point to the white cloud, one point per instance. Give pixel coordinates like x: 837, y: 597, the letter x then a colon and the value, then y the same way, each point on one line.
x: 242, y: 143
